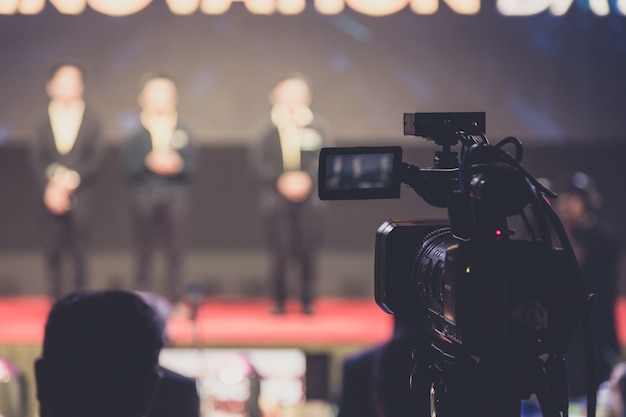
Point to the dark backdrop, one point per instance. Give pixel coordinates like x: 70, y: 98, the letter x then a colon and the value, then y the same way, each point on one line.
x: 223, y: 212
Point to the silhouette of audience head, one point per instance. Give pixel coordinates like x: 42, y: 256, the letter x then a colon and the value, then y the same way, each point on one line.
x: 100, y: 356
x: 416, y: 327
x: 578, y: 198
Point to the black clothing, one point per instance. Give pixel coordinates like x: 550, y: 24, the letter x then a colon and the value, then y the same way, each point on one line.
x: 293, y: 232
x: 357, y: 388
x: 70, y: 230
x: 292, y: 229
x: 176, y: 396
x: 381, y: 373
x: 85, y: 157
x: 67, y: 233
x: 159, y: 205
x: 599, y: 264
x: 159, y: 187
x: 149, y: 218
x: 398, y: 391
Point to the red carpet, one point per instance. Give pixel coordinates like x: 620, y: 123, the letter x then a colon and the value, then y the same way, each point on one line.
x: 245, y: 322
x: 22, y: 319
x: 235, y: 322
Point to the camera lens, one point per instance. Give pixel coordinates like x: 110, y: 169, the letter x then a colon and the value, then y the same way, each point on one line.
x: 430, y: 268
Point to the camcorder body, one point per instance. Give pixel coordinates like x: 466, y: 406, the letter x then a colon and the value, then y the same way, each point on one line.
x: 503, y: 303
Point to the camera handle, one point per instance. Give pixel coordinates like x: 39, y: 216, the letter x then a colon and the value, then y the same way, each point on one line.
x: 434, y: 185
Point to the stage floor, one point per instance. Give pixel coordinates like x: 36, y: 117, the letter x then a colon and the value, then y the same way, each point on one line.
x: 231, y: 322
x: 245, y: 322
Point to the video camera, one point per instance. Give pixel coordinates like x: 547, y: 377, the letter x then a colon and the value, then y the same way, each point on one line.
x: 502, y: 298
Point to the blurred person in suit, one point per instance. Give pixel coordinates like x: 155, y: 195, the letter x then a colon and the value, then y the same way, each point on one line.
x: 597, y: 250
x: 160, y: 161
x: 375, y: 382
x: 284, y: 161
x: 394, y: 394
x: 66, y: 155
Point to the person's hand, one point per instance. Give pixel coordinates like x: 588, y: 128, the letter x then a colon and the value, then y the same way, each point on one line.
x: 164, y: 162
x: 56, y: 198
x: 295, y: 186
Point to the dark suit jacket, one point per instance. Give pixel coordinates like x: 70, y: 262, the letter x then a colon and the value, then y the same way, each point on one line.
x: 266, y: 162
x: 363, y: 378
x: 599, y: 267
x: 356, y: 398
x: 85, y: 157
x: 176, y: 396
x: 142, y: 179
